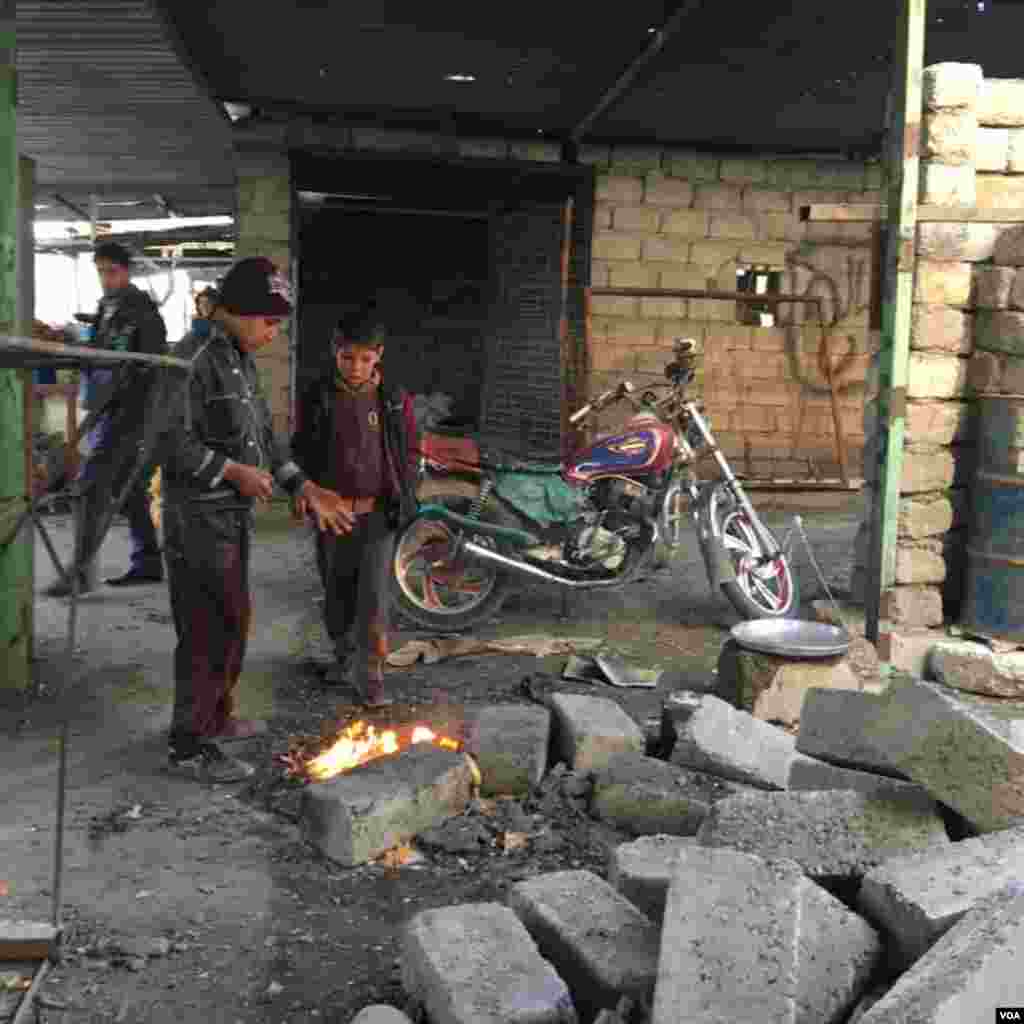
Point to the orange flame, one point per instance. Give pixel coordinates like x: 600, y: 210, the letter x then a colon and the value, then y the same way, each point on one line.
x: 359, y: 743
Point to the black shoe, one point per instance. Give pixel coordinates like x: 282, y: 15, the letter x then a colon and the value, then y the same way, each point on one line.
x: 209, y: 764
x: 134, y: 577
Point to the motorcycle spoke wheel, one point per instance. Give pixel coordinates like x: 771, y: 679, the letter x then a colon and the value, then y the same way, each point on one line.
x: 429, y: 580
x: 768, y: 586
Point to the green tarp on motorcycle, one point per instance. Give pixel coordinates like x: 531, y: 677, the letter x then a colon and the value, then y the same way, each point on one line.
x: 542, y: 496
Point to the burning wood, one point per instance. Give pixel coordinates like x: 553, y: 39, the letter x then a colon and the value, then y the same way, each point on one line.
x: 356, y: 744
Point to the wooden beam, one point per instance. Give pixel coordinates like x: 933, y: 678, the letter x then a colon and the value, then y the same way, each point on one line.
x: 903, y: 166
x: 872, y: 213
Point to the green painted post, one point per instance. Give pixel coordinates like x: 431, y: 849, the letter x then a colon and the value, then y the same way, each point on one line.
x: 15, y: 557
x: 904, y: 142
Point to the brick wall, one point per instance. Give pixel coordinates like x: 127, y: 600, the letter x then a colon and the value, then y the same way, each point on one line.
x: 966, y: 337
x: 668, y: 219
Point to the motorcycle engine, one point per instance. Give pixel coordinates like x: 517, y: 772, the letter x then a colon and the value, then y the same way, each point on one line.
x: 617, y: 507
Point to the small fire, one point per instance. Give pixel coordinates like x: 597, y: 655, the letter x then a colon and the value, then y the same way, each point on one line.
x: 360, y: 742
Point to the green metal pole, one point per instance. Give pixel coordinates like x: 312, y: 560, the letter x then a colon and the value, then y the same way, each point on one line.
x: 904, y: 141
x: 15, y: 560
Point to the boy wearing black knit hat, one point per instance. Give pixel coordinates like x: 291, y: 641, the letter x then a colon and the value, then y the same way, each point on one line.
x: 220, y: 457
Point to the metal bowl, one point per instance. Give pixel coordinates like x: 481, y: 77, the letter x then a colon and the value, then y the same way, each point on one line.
x: 792, y: 638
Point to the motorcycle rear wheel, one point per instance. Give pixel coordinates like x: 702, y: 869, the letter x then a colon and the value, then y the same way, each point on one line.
x: 435, y: 595
x: 769, y: 591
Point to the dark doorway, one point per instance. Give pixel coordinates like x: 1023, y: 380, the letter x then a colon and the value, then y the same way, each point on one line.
x: 467, y: 263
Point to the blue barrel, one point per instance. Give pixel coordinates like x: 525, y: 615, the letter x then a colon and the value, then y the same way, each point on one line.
x: 994, y: 600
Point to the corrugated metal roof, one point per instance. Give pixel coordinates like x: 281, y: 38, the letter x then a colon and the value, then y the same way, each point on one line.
x: 105, y: 104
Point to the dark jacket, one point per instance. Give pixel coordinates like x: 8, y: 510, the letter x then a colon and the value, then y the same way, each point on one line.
x: 311, y: 445
x: 223, y: 417
x: 127, y: 321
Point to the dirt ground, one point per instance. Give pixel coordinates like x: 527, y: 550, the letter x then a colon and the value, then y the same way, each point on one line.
x: 257, y: 926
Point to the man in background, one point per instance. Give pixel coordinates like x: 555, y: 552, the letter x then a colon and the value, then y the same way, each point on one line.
x: 126, y: 320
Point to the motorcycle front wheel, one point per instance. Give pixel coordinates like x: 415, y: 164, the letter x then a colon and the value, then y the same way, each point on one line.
x: 761, y: 590
x: 431, y: 591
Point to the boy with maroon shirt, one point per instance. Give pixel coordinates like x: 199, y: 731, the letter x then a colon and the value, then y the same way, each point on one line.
x: 358, y: 437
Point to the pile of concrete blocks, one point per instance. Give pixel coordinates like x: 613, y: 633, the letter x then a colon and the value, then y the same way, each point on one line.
x: 813, y: 879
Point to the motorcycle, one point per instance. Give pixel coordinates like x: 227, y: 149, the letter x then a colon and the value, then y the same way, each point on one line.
x: 590, y: 524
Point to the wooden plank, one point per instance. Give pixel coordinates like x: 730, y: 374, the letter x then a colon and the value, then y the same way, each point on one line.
x: 868, y: 213
x: 903, y: 152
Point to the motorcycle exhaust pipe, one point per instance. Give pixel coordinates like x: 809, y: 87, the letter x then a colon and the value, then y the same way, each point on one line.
x: 514, y: 565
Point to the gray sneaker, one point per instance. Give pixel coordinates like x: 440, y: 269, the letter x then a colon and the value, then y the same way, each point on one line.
x: 211, y: 765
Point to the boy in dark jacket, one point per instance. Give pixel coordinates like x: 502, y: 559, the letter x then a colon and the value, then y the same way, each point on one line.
x: 358, y: 438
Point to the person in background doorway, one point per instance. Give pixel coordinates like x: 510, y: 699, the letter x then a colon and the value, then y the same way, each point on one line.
x: 358, y: 437
x: 127, y: 320
x: 220, y: 457
x: 205, y: 302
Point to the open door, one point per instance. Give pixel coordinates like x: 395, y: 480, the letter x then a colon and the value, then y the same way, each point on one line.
x: 524, y: 405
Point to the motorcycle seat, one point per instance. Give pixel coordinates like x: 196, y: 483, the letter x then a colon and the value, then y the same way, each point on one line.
x: 465, y: 453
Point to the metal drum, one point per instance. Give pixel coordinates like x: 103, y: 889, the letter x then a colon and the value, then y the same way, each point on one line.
x: 994, y: 598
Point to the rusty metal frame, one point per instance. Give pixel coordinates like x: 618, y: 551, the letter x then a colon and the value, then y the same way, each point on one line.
x: 824, y: 351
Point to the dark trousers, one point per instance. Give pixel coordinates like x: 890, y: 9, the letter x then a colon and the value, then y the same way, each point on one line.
x: 355, y: 570
x: 207, y: 551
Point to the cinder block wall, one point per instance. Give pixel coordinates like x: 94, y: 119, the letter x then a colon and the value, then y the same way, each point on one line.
x: 673, y: 219
x: 967, y: 334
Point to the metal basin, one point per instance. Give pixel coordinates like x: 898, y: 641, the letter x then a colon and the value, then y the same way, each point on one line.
x: 792, y: 638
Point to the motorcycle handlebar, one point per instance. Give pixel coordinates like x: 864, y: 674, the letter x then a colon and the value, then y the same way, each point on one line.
x: 624, y: 389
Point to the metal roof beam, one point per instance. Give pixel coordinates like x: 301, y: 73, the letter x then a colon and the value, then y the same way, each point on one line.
x: 628, y: 78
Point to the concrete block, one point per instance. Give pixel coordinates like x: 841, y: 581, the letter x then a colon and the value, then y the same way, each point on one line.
x: 927, y: 469
x: 999, y: 331
x: 510, y: 745
x: 643, y: 869
x: 832, y: 728
x: 941, y: 329
x: 380, y: 1015
x: 916, y: 607
x: 993, y: 149
x: 645, y: 796
x: 744, y: 172
x: 772, y: 689
x: 689, y: 276
x: 356, y: 817
x: 663, y: 309
x: 612, y: 246
x: 633, y: 275
x: 999, y: 191
x: 807, y: 773
x: 974, y: 968
x: 662, y: 249
x: 769, y: 254
x: 916, y: 899
x: 718, y: 197
x: 600, y: 944
x: 926, y: 516
x: 732, y: 744
x: 732, y: 225
x: 590, y: 730
x: 619, y: 188
x: 984, y: 372
x: 1001, y: 103
x: 672, y: 192
x: 781, y: 227
x: 1015, y: 159
x: 942, y: 284
x: 920, y: 562
x: 692, y: 167
x: 952, y: 84
x: 909, y: 649
x: 1013, y: 375
x: 963, y: 243
x: 614, y: 306
x: 1015, y: 291
x: 933, y: 375
x: 748, y: 940
x: 765, y: 200
x: 948, y: 186
x: 833, y: 835
x: 951, y: 136
x: 639, y: 219
x: 975, y: 668
x: 476, y: 964
x: 942, y: 423
x: 993, y: 287
x: 686, y: 223
x: 967, y: 752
